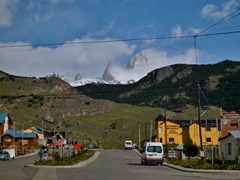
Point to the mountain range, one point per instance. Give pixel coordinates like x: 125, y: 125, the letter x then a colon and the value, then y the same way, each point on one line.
x: 139, y: 61
x: 172, y: 87
x: 176, y: 86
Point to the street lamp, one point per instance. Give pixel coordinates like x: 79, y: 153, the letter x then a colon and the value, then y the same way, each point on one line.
x: 22, y: 138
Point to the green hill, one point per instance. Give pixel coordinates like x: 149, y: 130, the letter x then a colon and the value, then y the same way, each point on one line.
x: 174, y: 87
x: 109, y: 114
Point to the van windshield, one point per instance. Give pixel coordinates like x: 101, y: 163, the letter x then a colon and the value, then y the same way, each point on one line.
x: 128, y: 143
x: 157, y: 149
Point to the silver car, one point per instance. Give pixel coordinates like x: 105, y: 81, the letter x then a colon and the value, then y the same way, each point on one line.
x: 4, y: 155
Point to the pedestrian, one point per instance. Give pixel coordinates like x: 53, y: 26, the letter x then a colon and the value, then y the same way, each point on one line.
x: 40, y: 154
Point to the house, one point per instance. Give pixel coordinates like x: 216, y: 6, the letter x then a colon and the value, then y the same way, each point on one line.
x: 34, y: 130
x: 230, y: 146
x: 210, y: 130
x: 39, y: 132
x: 170, y: 131
x: 178, y: 131
x: 229, y: 121
x: 58, y: 141
x: 5, y: 122
x: 12, y: 137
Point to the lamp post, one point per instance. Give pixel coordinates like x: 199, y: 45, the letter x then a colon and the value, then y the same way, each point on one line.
x: 43, y: 130
x: 22, y: 138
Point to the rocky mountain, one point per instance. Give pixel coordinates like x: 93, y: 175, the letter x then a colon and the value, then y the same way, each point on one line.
x: 173, y: 87
x: 78, y: 76
x: 138, y: 61
x: 107, y: 75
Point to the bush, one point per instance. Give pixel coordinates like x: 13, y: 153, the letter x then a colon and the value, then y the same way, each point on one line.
x: 197, y: 163
x: 190, y: 149
x: 61, y: 161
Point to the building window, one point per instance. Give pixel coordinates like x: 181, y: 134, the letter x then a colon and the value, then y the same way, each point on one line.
x: 184, y: 129
x: 234, y: 125
x: 208, y: 128
x: 171, y: 140
x: 208, y: 139
x: 229, y: 148
x: 160, y: 129
x: 160, y: 140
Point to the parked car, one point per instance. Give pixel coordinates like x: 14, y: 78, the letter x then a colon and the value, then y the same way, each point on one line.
x: 44, y: 149
x: 11, y: 152
x: 4, y: 155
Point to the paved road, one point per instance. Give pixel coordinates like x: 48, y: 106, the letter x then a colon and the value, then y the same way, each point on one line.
x: 111, y: 164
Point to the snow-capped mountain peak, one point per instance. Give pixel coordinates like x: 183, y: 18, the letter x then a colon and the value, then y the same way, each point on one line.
x: 139, y: 60
x: 78, y: 76
x: 121, y: 76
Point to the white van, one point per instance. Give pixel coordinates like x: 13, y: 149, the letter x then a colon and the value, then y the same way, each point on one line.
x: 128, y: 144
x: 152, y: 153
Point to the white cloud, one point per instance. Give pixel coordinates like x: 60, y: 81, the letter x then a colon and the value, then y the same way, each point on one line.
x: 156, y: 59
x: 214, y: 12
x: 104, y: 31
x: 177, y: 31
x: 7, y: 9
x: 194, y: 31
x: 67, y: 60
x: 91, y: 59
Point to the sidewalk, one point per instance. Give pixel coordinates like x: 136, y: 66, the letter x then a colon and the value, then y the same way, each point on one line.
x: 180, y: 168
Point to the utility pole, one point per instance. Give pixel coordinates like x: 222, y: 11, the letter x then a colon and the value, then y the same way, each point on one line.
x: 165, y: 123
x: 43, y: 131
x: 146, y: 131
x: 132, y: 136
x: 150, y: 131
x: 199, y: 116
x: 22, y: 138
x: 139, y: 135
x: 13, y: 135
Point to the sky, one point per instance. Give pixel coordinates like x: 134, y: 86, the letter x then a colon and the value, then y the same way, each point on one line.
x: 68, y: 37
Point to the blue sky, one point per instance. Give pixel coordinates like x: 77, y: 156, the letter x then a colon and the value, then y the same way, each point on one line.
x: 44, y: 36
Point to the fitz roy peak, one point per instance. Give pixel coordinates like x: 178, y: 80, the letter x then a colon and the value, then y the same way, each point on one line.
x: 135, y: 63
x: 138, y: 61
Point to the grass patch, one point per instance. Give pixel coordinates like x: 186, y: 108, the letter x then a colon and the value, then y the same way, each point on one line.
x: 196, y: 163
x: 66, y: 161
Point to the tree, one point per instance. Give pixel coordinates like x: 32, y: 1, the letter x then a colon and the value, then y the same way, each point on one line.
x: 190, y: 149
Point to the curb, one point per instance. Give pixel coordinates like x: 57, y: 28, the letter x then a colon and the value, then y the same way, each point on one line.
x: 180, y: 168
x: 80, y: 164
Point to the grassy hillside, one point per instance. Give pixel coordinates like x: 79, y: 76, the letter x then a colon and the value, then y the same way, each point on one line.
x: 174, y: 87
x: 53, y: 104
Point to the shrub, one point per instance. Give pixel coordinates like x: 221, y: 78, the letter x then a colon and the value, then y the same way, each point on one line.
x: 190, y: 149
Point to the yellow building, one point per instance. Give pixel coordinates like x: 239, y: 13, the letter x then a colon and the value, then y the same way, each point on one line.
x: 170, y: 131
x: 178, y: 131
x: 210, y: 133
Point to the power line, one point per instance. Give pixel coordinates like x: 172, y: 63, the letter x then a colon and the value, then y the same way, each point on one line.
x: 96, y: 41
x: 220, y: 21
x: 116, y: 40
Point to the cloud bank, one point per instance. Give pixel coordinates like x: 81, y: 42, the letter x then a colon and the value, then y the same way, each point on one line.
x: 91, y: 59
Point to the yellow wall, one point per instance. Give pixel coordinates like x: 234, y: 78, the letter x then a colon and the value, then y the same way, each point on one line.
x: 40, y: 136
x: 213, y: 135
x: 173, y: 131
